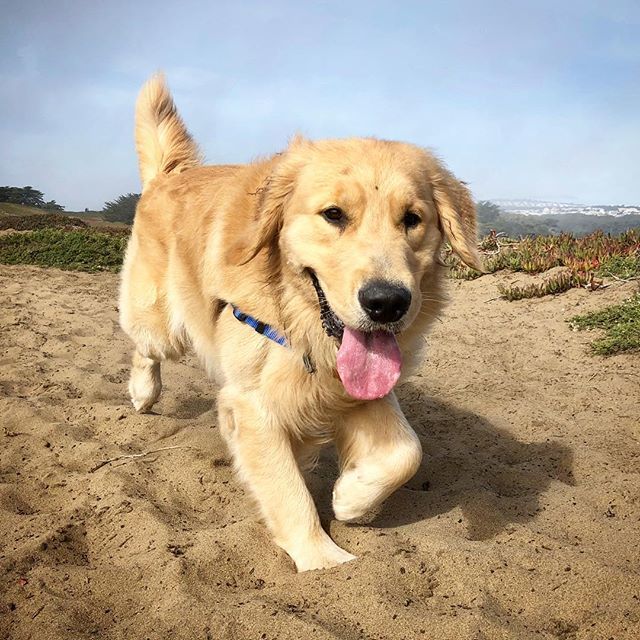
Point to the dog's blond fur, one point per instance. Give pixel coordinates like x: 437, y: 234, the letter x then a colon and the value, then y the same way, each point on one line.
x: 206, y: 236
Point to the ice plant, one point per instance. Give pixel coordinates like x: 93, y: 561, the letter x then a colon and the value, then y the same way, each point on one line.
x: 587, y: 259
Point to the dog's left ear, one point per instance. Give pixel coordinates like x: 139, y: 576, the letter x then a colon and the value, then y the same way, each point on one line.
x: 457, y: 213
x: 273, y: 198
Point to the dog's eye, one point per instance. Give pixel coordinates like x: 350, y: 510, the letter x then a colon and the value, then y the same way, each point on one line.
x: 411, y: 220
x: 334, y: 215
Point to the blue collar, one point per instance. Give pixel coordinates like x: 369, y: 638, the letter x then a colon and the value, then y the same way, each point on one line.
x: 260, y: 327
x: 268, y: 331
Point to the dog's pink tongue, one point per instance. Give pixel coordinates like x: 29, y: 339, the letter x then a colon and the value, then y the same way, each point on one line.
x: 368, y: 363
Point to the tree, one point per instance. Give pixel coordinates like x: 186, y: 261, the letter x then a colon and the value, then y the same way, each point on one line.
x: 492, y: 218
x: 488, y: 211
x: 29, y: 197
x: 122, y: 209
x: 52, y: 205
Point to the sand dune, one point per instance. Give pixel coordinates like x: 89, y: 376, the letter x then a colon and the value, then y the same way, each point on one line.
x: 523, y: 522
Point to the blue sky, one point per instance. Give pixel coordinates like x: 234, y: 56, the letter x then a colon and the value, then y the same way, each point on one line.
x: 522, y: 99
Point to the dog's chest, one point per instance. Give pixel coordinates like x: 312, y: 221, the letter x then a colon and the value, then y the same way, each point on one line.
x: 310, y: 404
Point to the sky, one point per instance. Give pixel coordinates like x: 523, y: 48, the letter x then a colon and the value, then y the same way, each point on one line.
x: 537, y: 100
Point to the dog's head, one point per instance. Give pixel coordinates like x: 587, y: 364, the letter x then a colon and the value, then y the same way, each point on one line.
x: 363, y: 220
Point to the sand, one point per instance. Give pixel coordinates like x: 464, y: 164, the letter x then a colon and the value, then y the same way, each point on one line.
x: 523, y: 522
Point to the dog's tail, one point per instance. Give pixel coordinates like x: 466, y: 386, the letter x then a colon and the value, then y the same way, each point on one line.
x: 163, y: 143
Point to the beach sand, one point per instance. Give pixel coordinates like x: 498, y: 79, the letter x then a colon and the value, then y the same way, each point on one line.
x: 523, y: 521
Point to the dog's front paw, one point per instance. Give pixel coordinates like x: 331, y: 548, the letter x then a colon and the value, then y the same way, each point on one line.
x: 364, y: 485
x: 354, y: 494
x: 320, y: 554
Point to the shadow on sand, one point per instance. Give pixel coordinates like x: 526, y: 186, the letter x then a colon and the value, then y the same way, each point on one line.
x: 469, y: 463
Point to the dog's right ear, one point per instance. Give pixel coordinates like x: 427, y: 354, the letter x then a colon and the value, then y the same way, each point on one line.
x: 273, y: 197
x: 456, y: 211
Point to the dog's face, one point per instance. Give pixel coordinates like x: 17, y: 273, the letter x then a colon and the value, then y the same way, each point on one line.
x: 366, y: 218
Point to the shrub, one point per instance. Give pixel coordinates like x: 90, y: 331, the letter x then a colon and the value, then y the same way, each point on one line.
x: 621, y: 324
x: 39, y: 221
x: 73, y: 250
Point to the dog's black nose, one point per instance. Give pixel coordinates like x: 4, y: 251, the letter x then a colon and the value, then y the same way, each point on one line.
x: 384, y: 301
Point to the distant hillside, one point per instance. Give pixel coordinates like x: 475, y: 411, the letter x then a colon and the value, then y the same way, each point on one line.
x: 89, y: 213
x: 582, y: 224
x: 21, y: 218
x: 97, y: 219
x: 542, y: 208
x: 491, y: 216
x: 12, y: 209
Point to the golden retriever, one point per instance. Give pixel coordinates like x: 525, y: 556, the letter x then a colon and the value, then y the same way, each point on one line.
x: 330, y: 251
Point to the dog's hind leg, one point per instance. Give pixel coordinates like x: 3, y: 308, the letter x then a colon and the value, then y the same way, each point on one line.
x: 265, y: 461
x: 145, y: 383
x: 378, y: 452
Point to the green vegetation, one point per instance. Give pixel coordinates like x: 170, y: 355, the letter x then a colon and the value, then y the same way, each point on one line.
x: 621, y: 324
x: 84, y: 250
x: 621, y: 267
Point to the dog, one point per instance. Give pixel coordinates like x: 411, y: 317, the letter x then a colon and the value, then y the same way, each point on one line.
x: 305, y: 283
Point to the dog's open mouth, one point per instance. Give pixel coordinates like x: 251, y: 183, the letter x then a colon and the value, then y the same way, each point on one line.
x: 368, y: 362
x: 333, y: 326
